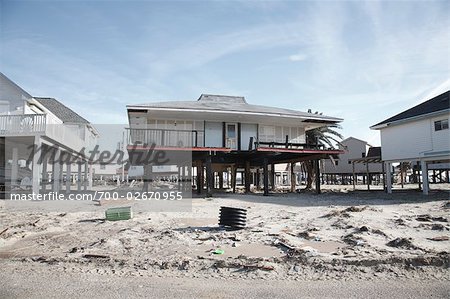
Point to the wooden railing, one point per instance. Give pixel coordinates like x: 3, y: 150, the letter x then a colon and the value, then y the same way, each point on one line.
x: 22, y: 125
x: 165, y: 137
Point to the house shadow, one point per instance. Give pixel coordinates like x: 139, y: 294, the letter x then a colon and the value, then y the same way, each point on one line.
x: 328, y: 198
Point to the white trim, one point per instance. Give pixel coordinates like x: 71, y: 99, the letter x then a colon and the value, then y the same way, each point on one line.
x: 237, y: 112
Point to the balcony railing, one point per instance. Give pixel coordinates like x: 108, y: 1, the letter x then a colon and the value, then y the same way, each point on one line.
x: 42, y: 124
x: 22, y: 125
x: 166, y: 137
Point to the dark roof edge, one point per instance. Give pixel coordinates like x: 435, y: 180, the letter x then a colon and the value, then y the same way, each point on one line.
x: 409, y: 119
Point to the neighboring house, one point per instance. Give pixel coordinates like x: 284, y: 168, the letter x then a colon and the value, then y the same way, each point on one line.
x: 342, y: 168
x: 225, y: 132
x: 419, y: 134
x: 47, y: 124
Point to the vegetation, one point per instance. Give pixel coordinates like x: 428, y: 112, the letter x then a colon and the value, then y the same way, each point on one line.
x: 326, y: 136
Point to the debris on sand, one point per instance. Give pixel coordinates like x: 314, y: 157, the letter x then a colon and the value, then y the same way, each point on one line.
x: 344, y: 213
x: 355, y: 209
x: 440, y: 238
x: 306, y: 235
x: 438, y: 226
x: 353, y: 240
x: 400, y: 221
x: 95, y: 256
x: 428, y: 218
x: 364, y: 229
x: 404, y: 243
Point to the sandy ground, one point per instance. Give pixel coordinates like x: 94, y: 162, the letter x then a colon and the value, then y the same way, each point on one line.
x: 336, y: 236
x: 42, y: 282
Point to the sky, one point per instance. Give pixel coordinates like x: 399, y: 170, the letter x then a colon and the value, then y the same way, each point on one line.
x: 360, y: 61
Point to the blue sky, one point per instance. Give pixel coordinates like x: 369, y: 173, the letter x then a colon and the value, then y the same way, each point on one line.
x: 361, y: 61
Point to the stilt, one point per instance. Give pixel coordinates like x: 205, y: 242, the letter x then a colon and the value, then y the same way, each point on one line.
x: 79, y: 176
x: 354, y: 176
x: 68, y: 175
x: 273, y: 183
x: 368, y: 176
x: 266, y: 176
x: 209, y: 176
x: 388, y: 178
x: 56, y: 170
x: 36, y: 166
x: 247, y: 177
x: 233, y: 177
x: 317, y: 168
x: 199, y: 177
x: 424, y: 168
x: 418, y: 175
x: 220, y: 173
x: 85, y: 181
x: 14, y: 166
x: 147, y: 177
x: 293, y: 182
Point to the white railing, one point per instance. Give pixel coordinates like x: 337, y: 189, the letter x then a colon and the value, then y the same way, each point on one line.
x: 43, y: 124
x: 22, y: 125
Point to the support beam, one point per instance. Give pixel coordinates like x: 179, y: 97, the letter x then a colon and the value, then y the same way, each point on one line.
x: 384, y: 176
x: 56, y: 171
x: 148, y: 169
x: 293, y: 180
x: 273, y: 183
x: 220, y: 174
x: 199, y: 177
x: 44, y: 172
x: 85, y: 181
x: 91, y: 176
x: 425, y: 183
x: 79, y: 176
x: 68, y: 175
x: 233, y: 179
x: 368, y: 176
x: 14, y: 166
x: 209, y: 176
x: 266, y: 176
x: 36, y: 165
x: 247, y: 176
x: 354, y: 176
x: 317, y: 168
x: 388, y: 177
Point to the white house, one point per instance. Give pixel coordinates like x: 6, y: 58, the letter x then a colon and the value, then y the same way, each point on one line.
x: 227, y: 132
x: 353, y: 148
x: 418, y: 134
x: 28, y: 123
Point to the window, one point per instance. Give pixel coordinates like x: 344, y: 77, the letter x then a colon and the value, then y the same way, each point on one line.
x: 363, y: 155
x: 441, y: 125
x: 349, y: 162
x: 336, y: 163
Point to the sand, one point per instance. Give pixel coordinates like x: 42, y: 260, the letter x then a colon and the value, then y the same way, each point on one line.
x: 333, y: 236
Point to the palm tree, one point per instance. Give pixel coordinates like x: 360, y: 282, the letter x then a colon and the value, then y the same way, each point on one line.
x: 325, y: 136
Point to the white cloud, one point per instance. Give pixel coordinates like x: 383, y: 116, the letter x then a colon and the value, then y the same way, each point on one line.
x: 298, y: 57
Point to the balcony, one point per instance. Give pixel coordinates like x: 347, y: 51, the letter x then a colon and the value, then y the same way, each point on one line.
x: 166, y: 137
x: 29, y: 125
x: 22, y: 125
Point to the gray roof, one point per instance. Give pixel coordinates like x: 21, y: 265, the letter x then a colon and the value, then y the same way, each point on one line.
x: 208, y: 102
x: 436, y: 104
x: 61, y: 111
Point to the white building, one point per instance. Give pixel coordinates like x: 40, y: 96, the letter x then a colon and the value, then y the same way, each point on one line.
x: 353, y: 148
x: 418, y: 134
x: 28, y: 122
x: 226, y: 132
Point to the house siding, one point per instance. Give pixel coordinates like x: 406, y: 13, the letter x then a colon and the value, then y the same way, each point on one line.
x: 407, y: 141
